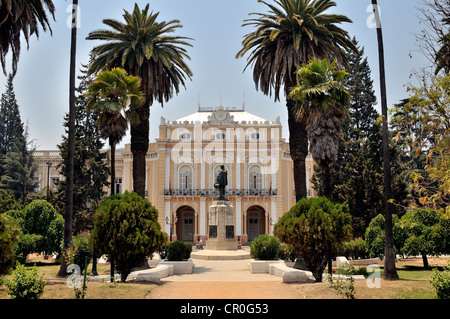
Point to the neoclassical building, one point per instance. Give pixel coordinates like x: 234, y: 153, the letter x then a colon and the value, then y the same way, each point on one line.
x: 183, y: 162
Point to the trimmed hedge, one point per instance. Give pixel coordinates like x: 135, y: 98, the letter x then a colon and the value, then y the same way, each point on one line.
x: 265, y: 247
x: 179, y: 250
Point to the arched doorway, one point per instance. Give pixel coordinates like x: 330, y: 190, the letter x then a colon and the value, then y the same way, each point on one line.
x: 186, y: 224
x: 256, y: 223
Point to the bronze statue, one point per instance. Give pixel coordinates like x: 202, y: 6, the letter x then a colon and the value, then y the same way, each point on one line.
x: 222, y: 182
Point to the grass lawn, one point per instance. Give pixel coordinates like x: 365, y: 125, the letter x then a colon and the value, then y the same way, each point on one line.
x: 414, y: 283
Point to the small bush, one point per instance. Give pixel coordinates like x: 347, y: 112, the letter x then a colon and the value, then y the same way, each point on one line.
x: 287, y: 253
x: 83, y: 250
x: 25, y: 284
x: 441, y: 282
x: 354, y: 249
x: 179, y: 250
x: 265, y: 247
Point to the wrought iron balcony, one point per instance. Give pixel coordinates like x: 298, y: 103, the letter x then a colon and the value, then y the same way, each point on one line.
x: 215, y: 192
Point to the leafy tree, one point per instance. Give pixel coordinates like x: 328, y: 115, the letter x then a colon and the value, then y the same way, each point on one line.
x: 375, y: 236
x: 423, y: 128
x: 42, y: 229
x: 147, y: 49
x: 21, y: 18
x: 315, y: 228
x: 126, y: 228
x: 115, y: 96
x: 424, y: 234
x: 9, y: 237
x: 90, y: 169
x: 290, y: 34
x: 322, y: 103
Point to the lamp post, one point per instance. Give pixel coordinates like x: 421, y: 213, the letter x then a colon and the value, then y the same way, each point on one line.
x: 49, y: 164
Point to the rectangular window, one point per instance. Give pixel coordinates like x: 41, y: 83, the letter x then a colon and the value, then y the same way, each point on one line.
x: 230, y: 232
x: 212, y: 231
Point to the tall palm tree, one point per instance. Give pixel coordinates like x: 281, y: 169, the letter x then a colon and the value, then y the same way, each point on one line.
x: 390, y: 272
x: 68, y: 201
x: 290, y: 34
x: 322, y: 102
x: 144, y: 48
x: 21, y: 18
x: 116, y: 96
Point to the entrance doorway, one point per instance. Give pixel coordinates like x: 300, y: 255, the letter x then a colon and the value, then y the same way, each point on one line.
x: 255, y: 222
x: 186, y: 224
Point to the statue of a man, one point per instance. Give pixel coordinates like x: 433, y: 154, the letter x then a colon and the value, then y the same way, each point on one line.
x: 222, y: 182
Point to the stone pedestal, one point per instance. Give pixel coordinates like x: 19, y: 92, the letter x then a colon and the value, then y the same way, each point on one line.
x: 221, y: 226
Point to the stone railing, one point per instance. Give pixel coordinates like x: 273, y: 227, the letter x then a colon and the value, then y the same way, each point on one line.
x: 215, y: 192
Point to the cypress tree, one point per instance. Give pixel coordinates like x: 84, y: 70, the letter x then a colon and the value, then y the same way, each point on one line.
x: 19, y: 169
x: 11, y: 126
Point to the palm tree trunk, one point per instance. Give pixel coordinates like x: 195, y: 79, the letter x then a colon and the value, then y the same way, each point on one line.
x: 68, y: 211
x: 139, y: 146
x: 326, y: 175
x: 298, y: 144
x: 112, y: 145
x: 390, y: 273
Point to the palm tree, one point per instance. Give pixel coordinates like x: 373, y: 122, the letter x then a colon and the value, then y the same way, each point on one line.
x: 390, y: 272
x: 322, y: 103
x: 68, y: 201
x: 144, y: 48
x: 290, y: 35
x: 21, y: 18
x: 116, y: 96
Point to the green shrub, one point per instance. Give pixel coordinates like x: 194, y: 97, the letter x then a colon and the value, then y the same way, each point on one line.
x: 83, y: 250
x: 179, y: 250
x: 287, y: 253
x: 126, y: 228
x: 354, y: 249
x: 265, y: 247
x: 25, y: 284
x: 9, y: 237
x: 441, y: 282
x: 315, y: 228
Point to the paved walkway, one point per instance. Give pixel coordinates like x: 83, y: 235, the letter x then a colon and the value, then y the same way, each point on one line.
x: 218, y: 268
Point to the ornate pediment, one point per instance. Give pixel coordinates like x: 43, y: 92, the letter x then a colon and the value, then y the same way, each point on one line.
x: 221, y: 116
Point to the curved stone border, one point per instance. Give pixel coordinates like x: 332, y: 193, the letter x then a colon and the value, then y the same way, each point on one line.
x: 179, y: 267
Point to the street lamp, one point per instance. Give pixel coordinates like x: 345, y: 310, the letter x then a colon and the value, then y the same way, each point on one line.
x: 49, y: 164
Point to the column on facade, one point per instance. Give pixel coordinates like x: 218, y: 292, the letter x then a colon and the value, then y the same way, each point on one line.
x: 202, y: 223
x: 238, y: 211
x: 273, y: 213
x: 167, y: 217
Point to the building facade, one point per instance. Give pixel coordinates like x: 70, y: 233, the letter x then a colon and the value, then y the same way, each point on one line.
x: 182, y: 166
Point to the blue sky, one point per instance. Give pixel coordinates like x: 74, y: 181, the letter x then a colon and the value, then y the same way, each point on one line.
x: 42, y: 81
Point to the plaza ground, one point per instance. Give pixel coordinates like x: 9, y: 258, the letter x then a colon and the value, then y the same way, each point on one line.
x: 231, y: 279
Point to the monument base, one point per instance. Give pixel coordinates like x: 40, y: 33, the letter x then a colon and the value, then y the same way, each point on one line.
x: 214, y: 244
x: 221, y: 226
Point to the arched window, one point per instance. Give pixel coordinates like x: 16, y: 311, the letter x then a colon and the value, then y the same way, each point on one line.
x: 185, y: 177
x: 255, y: 178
